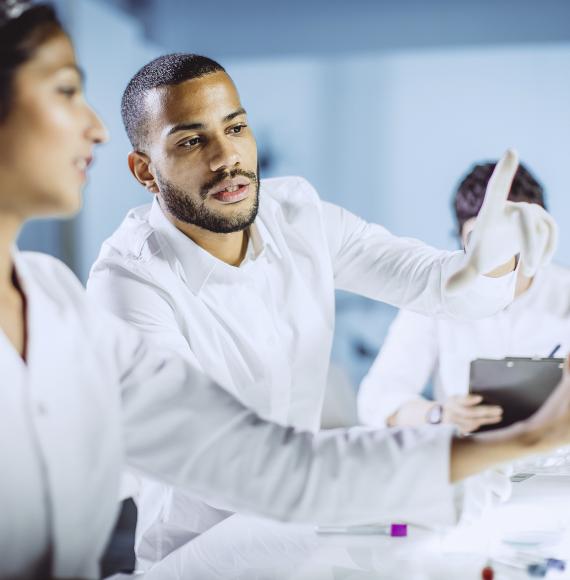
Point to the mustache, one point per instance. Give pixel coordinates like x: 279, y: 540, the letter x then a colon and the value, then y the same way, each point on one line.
x: 217, y: 179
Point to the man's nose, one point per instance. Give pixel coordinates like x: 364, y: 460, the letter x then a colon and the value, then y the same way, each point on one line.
x: 225, y: 156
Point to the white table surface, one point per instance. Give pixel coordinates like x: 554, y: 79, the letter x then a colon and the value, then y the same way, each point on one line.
x: 255, y: 549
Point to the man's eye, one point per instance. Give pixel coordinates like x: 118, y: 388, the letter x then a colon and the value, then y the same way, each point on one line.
x: 191, y: 142
x: 238, y: 129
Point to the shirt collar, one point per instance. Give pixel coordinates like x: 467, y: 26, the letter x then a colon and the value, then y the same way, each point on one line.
x: 197, y: 265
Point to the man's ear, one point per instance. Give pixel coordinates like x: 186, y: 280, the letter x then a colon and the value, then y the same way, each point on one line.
x: 139, y: 164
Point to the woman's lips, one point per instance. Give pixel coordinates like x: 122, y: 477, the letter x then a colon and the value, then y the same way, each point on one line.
x: 227, y: 197
x: 82, y: 164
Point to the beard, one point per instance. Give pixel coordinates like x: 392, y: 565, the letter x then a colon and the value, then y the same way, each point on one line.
x: 192, y: 209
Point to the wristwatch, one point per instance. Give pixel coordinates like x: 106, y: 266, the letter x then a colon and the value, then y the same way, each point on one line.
x: 434, y: 416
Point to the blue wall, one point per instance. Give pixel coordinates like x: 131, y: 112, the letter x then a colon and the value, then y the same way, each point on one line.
x: 341, y: 27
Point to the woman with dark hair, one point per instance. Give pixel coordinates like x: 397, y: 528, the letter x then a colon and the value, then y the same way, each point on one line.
x: 81, y: 393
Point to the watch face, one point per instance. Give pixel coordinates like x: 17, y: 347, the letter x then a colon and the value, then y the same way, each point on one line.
x: 435, y: 414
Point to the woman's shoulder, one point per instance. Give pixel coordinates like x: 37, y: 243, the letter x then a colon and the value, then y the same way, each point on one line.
x: 54, y: 280
x: 51, y: 275
x: 50, y: 269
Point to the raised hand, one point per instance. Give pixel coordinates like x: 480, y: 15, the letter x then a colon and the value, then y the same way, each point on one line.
x: 504, y: 229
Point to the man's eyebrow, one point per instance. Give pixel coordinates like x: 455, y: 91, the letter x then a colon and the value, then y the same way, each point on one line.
x: 240, y: 111
x: 199, y: 126
x: 185, y: 127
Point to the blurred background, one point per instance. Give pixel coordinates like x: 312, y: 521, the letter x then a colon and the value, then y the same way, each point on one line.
x: 382, y: 104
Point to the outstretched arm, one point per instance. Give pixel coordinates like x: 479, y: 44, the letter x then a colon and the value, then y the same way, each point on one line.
x: 181, y: 428
x: 409, y: 274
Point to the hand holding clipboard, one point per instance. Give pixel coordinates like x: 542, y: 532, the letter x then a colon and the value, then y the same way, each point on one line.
x: 521, y: 386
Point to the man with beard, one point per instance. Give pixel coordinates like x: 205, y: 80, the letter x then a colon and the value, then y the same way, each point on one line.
x: 238, y: 275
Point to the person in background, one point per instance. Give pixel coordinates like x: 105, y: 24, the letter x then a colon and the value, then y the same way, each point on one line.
x: 422, y: 350
x: 82, y: 394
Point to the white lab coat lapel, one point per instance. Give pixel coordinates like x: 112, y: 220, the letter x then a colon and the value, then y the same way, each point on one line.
x: 76, y: 426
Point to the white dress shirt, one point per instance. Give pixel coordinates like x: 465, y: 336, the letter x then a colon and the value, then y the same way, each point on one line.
x: 94, y: 394
x: 264, y: 329
x: 419, y: 349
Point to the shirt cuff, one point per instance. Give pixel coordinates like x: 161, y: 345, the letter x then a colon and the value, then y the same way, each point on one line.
x: 484, y: 296
x: 504, y: 286
x: 376, y: 415
x: 432, y: 502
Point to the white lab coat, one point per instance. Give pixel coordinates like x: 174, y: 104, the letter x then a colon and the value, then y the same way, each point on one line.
x: 94, y: 394
x: 264, y: 330
x: 419, y: 349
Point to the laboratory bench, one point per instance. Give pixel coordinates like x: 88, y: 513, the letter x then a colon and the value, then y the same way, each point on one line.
x: 529, y: 534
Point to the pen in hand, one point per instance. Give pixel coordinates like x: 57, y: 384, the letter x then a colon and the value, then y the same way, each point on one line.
x: 554, y: 351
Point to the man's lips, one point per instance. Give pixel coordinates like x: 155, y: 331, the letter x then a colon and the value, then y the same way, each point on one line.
x: 232, y: 195
x: 231, y: 190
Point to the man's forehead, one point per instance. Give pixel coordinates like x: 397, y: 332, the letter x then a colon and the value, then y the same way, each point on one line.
x: 212, y: 95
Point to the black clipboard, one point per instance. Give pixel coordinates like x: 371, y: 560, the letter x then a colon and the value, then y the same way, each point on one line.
x: 518, y: 385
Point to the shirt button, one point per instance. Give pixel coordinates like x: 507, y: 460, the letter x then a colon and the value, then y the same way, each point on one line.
x: 41, y: 409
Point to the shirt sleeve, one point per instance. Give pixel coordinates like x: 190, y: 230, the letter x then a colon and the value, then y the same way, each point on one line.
x: 401, y: 370
x: 183, y: 429
x: 368, y: 260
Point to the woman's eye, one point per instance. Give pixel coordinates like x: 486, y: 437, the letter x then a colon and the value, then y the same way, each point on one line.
x: 68, y: 91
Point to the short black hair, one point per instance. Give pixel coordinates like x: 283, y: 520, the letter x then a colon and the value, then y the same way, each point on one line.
x: 470, y: 192
x: 20, y: 37
x: 170, y: 69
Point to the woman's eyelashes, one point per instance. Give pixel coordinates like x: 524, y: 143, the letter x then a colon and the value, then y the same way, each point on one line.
x: 69, y: 91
